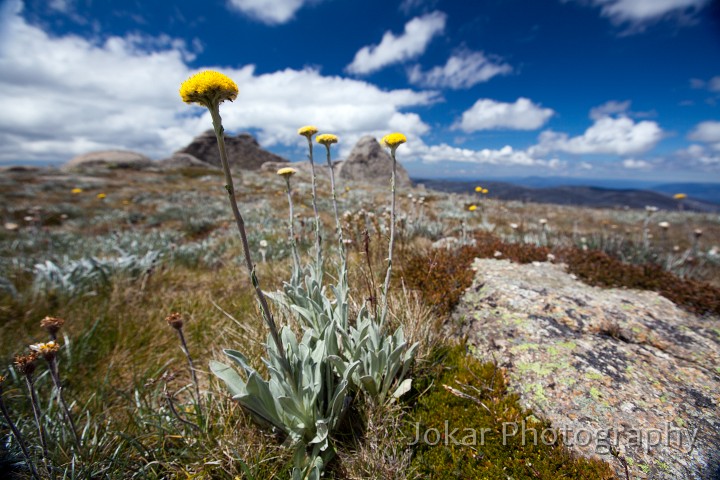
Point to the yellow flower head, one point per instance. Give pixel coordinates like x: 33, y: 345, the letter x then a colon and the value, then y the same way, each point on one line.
x: 308, y: 131
x: 393, y: 140
x: 75, y: 191
x: 478, y: 189
x: 46, y: 350
x: 326, y: 139
x: 287, y: 172
x: 472, y: 208
x: 679, y: 196
x: 101, y: 196
x: 484, y: 191
x: 208, y: 88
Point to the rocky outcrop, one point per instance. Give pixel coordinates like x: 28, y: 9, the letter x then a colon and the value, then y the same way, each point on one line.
x: 243, y: 151
x: 123, y: 159
x: 606, y: 366
x: 182, y: 160
x: 369, y: 162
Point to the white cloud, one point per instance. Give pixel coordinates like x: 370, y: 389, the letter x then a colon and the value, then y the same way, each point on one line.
x: 64, y: 96
x: 714, y: 84
x: 706, y: 132
x: 639, y: 11
x: 487, y: 114
x: 506, y: 156
x: 612, y: 107
x: 633, y: 164
x: 412, y: 43
x: 618, y: 136
x: 462, y: 70
x: 698, y: 156
x: 271, y: 12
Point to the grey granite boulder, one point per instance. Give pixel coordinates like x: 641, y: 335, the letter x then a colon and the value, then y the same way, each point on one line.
x: 243, y: 151
x: 608, y: 367
x: 370, y: 162
x: 122, y: 159
x: 182, y: 160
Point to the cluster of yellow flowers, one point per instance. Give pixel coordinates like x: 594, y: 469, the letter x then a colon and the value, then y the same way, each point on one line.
x: 482, y: 190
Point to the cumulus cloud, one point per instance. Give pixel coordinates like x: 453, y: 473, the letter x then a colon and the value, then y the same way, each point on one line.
x: 271, y: 12
x: 462, y: 70
x: 633, y: 164
x: 506, y: 156
x: 706, y: 132
x: 641, y: 11
x: 698, y: 157
x: 64, y: 96
x: 612, y: 107
x: 487, y: 114
x: 396, y: 49
x: 608, y: 135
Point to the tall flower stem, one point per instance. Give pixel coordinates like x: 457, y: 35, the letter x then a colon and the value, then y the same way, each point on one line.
x: 229, y: 187
x: 318, y: 237
x: 38, y: 421
x: 54, y: 373
x: 386, y: 286
x: 291, y: 227
x: 18, y: 438
x: 193, y: 372
x: 338, y: 226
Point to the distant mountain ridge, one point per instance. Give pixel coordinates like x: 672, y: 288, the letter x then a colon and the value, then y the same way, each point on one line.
x: 580, y: 195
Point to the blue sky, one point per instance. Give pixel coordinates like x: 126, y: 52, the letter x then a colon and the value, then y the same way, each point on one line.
x: 582, y: 88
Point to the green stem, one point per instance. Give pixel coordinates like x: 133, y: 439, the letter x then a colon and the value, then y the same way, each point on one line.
x: 335, y: 207
x: 220, y: 135
x: 58, y: 386
x: 293, y: 243
x: 18, y: 438
x: 390, y: 249
x: 193, y: 372
x: 318, y: 237
x: 38, y: 421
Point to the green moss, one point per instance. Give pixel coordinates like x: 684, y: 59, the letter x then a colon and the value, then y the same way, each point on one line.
x: 595, y: 393
x: 478, y: 401
x: 594, y: 375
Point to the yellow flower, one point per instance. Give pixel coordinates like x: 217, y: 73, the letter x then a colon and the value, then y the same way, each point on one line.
x: 484, y: 191
x: 287, y: 172
x: 478, y: 189
x: 394, y: 140
x: 208, y: 88
x: 46, y: 350
x: 308, y: 131
x: 472, y: 208
x: 101, y: 196
x: 679, y: 196
x: 326, y: 139
x: 75, y: 191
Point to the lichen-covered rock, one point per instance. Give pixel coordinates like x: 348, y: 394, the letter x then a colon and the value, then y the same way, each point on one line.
x: 243, y: 151
x: 122, y: 159
x: 608, y: 367
x: 369, y: 162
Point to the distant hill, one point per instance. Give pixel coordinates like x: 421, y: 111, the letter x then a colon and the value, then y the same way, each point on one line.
x: 710, y: 192
x: 577, y: 195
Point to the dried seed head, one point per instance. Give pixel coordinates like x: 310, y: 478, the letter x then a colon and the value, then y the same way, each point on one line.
x: 25, y: 364
x: 175, y: 320
x: 698, y: 233
x: 52, y: 325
